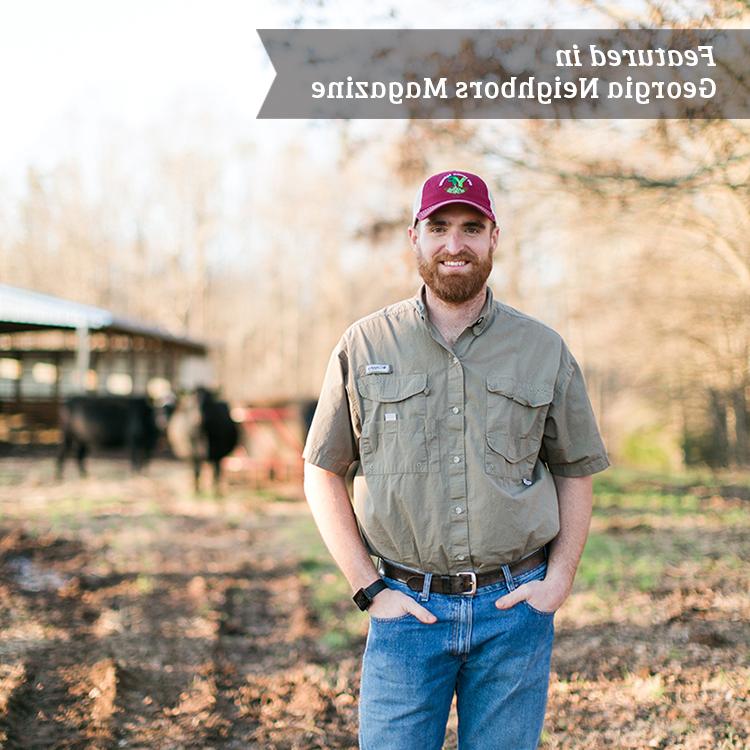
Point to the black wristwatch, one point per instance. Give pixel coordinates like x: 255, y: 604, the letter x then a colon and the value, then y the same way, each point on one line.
x: 363, y: 598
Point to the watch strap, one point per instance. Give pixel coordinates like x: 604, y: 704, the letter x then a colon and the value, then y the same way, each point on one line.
x: 363, y: 598
x: 375, y: 588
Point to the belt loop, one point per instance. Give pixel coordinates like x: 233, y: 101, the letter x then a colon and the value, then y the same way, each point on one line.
x: 424, y: 596
x: 508, y: 577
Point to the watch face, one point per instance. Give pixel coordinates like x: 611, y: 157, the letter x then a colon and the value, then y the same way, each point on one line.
x: 362, y: 600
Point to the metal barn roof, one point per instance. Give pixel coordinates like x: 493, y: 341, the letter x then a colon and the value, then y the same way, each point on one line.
x: 26, y: 310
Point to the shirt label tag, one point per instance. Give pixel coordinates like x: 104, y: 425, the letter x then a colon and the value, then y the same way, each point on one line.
x: 390, y: 416
x: 378, y: 369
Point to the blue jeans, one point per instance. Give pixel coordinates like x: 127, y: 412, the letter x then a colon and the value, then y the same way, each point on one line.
x: 495, y: 661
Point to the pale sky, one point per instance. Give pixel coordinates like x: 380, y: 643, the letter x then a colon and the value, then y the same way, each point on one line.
x: 72, y: 71
x: 81, y: 64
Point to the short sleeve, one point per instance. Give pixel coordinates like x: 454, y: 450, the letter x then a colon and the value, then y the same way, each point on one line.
x: 572, y: 445
x: 331, y: 443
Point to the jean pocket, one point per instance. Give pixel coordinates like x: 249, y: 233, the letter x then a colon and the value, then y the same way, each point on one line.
x: 390, y: 619
x: 534, y: 610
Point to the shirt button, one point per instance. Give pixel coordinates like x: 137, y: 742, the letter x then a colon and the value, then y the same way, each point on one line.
x: 455, y: 410
x: 455, y: 360
x: 461, y: 557
x: 456, y: 459
x: 459, y: 510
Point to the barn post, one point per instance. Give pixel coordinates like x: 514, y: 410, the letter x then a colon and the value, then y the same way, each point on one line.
x: 83, y: 354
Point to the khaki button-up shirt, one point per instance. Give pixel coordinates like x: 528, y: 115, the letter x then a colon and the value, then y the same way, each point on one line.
x: 456, y: 447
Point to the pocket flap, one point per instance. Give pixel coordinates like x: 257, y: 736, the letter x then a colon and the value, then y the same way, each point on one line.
x: 528, y: 394
x: 513, y: 449
x: 391, y: 388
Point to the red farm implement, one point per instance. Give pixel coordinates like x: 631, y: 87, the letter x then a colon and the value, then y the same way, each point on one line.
x: 271, y: 449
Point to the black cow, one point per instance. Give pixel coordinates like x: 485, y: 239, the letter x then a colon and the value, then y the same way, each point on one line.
x: 200, y: 429
x: 107, y: 422
x: 308, y: 408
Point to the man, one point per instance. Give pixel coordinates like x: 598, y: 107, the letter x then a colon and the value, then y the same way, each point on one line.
x: 476, y: 441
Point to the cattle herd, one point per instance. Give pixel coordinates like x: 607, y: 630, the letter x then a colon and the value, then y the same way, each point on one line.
x: 198, y: 426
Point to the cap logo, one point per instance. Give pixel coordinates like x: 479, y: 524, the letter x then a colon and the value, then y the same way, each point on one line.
x: 456, y: 183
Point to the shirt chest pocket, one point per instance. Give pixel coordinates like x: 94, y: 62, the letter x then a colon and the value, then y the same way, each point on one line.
x: 394, y: 436
x: 516, y: 412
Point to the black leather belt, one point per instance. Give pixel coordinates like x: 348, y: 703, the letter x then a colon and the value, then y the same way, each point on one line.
x: 460, y: 583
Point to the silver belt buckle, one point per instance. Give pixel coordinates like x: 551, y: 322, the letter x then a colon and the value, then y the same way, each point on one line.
x: 473, y: 578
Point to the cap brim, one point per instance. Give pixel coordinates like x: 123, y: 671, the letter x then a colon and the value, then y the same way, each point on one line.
x: 425, y: 212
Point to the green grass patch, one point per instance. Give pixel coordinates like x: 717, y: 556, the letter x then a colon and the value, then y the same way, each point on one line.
x: 269, y: 495
x: 144, y: 584
x: 622, y: 480
x: 647, y: 502
x: 341, y: 623
x: 609, y: 563
x: 632, y: 548
x: 635, y: 542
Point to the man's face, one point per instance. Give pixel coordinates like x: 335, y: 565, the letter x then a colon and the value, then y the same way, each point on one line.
x: 454, y: 248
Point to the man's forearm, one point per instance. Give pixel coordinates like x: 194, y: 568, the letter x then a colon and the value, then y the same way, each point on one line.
x: 575, y: 499
x: 329, y: 502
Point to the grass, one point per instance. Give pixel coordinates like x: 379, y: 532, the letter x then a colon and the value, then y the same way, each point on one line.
x: 610, y: 564
x: 661, y: 549
x: 645, y: 526
x: 619, y: 478
x: 342, y: 624
x: 144, y: 584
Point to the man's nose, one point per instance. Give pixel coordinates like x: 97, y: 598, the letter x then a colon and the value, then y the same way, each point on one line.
x: 454, y: 242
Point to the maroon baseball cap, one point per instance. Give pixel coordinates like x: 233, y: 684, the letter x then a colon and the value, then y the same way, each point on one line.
x: 445, y: 188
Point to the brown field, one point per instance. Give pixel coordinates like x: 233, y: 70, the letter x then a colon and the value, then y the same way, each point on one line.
x: 134, y: 614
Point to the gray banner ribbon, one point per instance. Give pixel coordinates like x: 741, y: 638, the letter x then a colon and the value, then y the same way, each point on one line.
x: 511, y: 74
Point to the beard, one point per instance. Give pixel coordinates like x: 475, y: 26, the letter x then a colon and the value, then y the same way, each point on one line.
x: 455, y: 288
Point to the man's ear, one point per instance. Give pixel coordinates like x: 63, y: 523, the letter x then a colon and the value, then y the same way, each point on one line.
x: 413, y: 233
x: 494, y: 236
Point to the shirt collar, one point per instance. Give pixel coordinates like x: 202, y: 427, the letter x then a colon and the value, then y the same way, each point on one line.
x: 486, y: 314
x: 419, y: 303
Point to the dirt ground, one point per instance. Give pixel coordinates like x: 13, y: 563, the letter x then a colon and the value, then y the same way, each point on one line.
x: 133, y: 614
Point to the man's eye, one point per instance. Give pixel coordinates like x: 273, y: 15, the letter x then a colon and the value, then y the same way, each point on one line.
x: 472, y: 230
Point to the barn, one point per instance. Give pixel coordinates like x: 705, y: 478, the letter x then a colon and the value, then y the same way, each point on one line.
x: 51, y: 348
